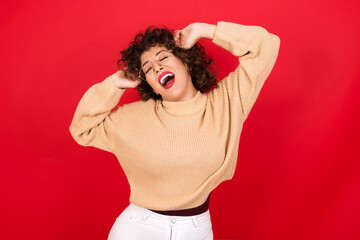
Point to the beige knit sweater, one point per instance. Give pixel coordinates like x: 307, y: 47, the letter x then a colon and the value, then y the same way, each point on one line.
x: 175, y: 153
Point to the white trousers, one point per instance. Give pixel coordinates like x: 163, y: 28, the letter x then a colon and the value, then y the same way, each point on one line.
x: 138, y: 223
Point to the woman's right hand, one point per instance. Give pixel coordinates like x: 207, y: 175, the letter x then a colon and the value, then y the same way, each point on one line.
x: 120, y: 81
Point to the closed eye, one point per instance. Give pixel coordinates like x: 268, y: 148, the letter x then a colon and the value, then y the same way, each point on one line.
x: 148, y: 70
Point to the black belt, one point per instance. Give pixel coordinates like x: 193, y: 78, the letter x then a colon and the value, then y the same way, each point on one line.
x: 187, y: 212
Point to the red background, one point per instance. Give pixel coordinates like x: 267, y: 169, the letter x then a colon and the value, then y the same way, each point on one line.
x: 298, y: 173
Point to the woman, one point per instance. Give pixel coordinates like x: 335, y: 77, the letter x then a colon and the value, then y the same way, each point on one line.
x: 180, y: 142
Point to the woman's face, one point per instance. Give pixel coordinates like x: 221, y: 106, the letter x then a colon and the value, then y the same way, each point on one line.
x: 167, y: 75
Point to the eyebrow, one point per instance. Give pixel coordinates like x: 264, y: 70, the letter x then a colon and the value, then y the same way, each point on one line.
x: 155, y: 56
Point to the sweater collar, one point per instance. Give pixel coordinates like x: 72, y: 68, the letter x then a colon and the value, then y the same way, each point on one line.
x: 185, y: 107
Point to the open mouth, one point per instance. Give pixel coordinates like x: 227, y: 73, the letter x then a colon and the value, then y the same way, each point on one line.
x: 166, y: 79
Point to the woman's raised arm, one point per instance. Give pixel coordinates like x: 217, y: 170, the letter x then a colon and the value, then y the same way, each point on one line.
x: 257, y: 50
x: 93, y: 122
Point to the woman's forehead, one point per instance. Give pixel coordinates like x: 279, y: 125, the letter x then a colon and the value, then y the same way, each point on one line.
x: 151, y: 52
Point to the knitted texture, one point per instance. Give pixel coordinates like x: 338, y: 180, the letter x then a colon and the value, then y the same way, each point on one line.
x: 175, y: 153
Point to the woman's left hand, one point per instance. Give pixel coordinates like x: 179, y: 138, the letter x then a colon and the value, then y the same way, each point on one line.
x: 187, y: 37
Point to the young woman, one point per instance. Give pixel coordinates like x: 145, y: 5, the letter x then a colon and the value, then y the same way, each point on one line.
x: 181, y: 141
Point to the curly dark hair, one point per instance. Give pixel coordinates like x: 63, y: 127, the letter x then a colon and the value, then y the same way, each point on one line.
x: 201, y: 67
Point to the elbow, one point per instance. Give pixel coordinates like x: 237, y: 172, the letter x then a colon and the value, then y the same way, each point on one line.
x: 77, y: 136
x: 274, y: 47
x: 73, y: 131
x: 277, y: 41
x: 270, y: 41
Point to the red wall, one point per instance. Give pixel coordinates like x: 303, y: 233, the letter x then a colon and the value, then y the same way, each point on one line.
x: 298, y: 173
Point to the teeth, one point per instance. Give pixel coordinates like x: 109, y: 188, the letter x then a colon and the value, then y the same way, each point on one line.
x: 162, y: 80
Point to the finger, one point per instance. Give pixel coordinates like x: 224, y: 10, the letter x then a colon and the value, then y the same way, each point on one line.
x: 177, y: 42
x: 176, y: 37
x: 176, y: 34
x: 179, y: 39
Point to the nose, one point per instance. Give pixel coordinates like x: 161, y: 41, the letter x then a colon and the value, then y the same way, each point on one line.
x: 157, y: 68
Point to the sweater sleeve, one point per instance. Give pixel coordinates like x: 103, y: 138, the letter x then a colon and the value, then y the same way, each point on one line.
x: 257, y: 51
x: 93, y: 122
